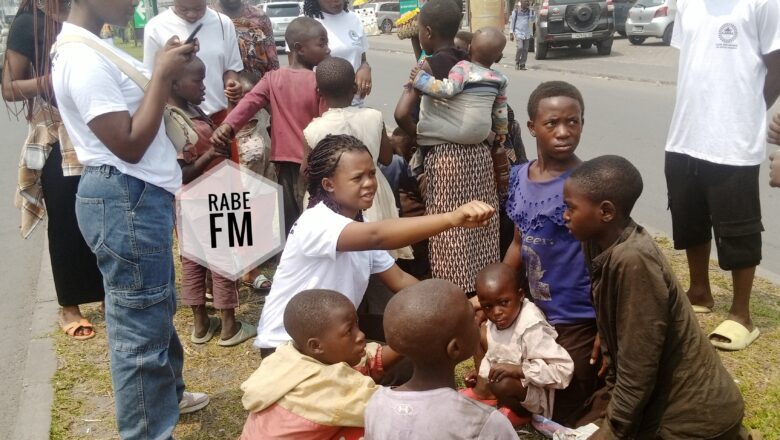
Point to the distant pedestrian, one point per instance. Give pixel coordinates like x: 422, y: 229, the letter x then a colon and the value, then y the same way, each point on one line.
x: 50, y: 171
x: 729, y: 75
x: 521, y: 31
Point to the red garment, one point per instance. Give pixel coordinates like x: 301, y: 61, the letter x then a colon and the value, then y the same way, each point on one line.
x: 294, y: 101
x: 205, y: 128
x: 276, y: 422
x: 218, y: 118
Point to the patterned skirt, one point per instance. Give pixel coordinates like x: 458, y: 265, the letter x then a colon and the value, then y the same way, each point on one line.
x: 458, y: 174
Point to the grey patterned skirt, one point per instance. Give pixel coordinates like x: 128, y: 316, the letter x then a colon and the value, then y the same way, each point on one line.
x: 458, y: 174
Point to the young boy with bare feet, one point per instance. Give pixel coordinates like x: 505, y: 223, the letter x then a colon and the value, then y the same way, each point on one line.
x: 432, y: 323
x: 665, y: 379
x: 522, y: 365
x: 316, y: 387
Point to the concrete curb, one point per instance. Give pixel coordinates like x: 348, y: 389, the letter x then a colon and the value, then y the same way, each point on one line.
x: 34, y: 421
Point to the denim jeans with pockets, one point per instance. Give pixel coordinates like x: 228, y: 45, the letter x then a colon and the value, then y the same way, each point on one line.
x: 128, y: 224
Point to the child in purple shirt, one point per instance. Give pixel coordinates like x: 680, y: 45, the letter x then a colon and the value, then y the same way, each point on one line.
x: 548, y: 255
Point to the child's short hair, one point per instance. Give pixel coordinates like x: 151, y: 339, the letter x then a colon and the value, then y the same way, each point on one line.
x: 442, y: 16
x: 611, y: 178
x: 195, y: 65
x: 323, y: 161
x: 419, y: 320
x: 335, y: 77
x: 497, y: 274
x: 302, y: 29
x: 309, y: 313
x: 465, y: 36
x: 552, y: 89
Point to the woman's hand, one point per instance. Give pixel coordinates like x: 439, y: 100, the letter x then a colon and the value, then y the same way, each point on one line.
x: 773, y: 132
x: 173, y: 56
x: 233, y: 91
x: 470, y: 379
x: 363, y: 80
x: 499, y: 372
x: 473, y: 214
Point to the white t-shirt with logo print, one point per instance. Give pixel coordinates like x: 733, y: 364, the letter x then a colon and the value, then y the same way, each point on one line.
x: 720, y: 114
x: 345, y: 37
x: 310, y: 261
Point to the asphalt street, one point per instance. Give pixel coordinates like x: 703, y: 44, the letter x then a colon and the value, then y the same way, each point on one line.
x: 20, y: 262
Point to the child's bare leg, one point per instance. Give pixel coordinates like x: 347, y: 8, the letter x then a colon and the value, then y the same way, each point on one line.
x: 510, y: 393
x: 482, y: 389
x: 229, y: 324
x: 698, y: 267
x: 201, y: 321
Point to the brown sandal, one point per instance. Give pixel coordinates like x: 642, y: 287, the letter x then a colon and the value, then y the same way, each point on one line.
x: 71, y: 329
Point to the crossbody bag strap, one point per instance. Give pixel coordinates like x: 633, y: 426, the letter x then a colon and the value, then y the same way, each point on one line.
x: 126, y: 68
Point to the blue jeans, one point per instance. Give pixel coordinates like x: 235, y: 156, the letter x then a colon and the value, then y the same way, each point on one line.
x: 128, y: 224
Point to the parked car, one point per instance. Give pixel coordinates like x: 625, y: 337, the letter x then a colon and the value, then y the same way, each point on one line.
x: 572, y: 23
x: 281, y: 14
x: 651, y: 18
x: 386, y: 14
x: 3, y: 41
x: 621, y: 15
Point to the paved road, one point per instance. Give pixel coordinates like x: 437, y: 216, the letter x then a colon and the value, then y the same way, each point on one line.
x: 20, y: 262
x: 630, y: 118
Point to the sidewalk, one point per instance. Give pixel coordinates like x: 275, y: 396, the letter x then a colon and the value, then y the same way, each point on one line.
x: 651, y: 62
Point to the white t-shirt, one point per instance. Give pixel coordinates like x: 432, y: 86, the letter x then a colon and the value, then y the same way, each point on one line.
x: 438, y: 414
x: 218, y: 49
x: 345, y: 37
x: 88, y: 85
x: 720, y: 115
x: 310, y: 261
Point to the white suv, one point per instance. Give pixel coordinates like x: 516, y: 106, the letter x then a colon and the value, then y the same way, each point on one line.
x: 281, y: 14
x: 651, y: 18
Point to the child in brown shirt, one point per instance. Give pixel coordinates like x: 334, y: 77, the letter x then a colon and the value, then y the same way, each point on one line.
x: 665, y: 379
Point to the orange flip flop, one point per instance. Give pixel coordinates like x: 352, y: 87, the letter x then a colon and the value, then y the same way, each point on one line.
x: 71, y: 328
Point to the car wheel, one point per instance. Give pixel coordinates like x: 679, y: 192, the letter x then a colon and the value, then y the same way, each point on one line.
x: 541, y: 51
x: 604, y: 47
x: 387, y: 26
x: 667, y: 38
x: 587, y: 45
x: 622, y: 33
x: 636, y: 40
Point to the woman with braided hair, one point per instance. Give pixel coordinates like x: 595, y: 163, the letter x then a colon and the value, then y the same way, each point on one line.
x: 330, y: 247
x: 346, y: 39
x: 50, y: 172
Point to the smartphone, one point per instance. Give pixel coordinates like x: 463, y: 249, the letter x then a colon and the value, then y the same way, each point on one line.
x: 191, y: 38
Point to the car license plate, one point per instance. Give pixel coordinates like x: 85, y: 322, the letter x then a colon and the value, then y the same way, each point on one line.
x: 639, y: 28
x: 582, y: 35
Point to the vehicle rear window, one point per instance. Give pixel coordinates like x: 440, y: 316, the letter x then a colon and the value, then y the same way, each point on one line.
x: 649, y: 3
x: 283, y: 10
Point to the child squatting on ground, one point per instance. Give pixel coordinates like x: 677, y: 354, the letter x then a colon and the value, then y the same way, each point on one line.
x: 433, y: 324
x: 549, y: 256
x: 316, y: 387
x: 330, y: 247
x: 188, y: 91
x: 291, y: 93
x: 665, y: 378
x: 522, y: 365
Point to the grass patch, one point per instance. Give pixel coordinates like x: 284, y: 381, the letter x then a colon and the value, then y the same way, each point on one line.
x: 83, y: 400
x: 136, y: 50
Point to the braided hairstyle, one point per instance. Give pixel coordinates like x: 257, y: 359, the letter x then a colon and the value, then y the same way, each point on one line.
x: 311, y: 8
x: 42, y: 62
x: 323, y: 161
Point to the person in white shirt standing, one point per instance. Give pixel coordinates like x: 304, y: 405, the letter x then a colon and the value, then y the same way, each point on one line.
x: 218, y: 49
x: 124, y: 208
x: 521, y: 31
x: 729, y: 74
x: 346, y: 39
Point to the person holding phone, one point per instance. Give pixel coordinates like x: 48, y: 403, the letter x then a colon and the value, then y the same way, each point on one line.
x: 219, y: 50
x: 124, y: 207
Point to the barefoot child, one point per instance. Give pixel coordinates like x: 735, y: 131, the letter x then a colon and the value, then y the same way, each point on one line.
x: 432, y: 324
x: 291, y: 92
x: 316, y: 387
x: 336, y: 84
x: 523, y: 365
x: 187, y: 93
x: 331, y: 248
x: 665, y: 378
x: 550, y: 258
